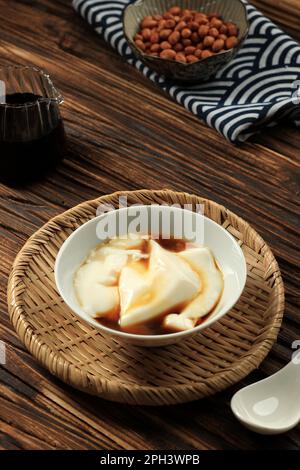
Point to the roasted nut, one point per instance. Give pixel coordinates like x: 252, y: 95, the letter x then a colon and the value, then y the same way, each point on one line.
x: 146, y: 33
x: 216, y: 23
x: 187, y: 18
x: 206, y: 53
x: 214, y: 32
x: 165, y: 45
x: 180, y: 57
x: 167, y: 54
x: 232, y: 29
x: 155, y: 48
x: 168, y: 16
x: 202, y: 20
x: 203, y: 31
x: 198, y: 53
x: 189, y: 50
x: 174, y: 37
x: 193, y: 25
x: 170, y: 24
x: 195, y: 38
x: 147, y: 23
x: 231, y: 42
x: 165, y: 33
x: 191, y: 58
x: 161, y: 25
x: 186, y: 42
x: 218, y: 45
x: 140, y: 45
x: 223, y: 29
x: 180, y: 25
x: 208, y: 41
x: 154, y: 38
x: 138, y: 36
x: 186, y: 33
x: 178, y: 47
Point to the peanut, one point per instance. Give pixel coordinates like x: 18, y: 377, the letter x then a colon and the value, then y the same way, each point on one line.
x: 208, y: 41
x: 165, y: 45
x: 155, y: 47
x: 139, y: 43
x: 232, y: 29
x: 180, y: 25
x: 146, y: 33
x: 147, y: 23
x: 216, y: 23
x: 174, y: 37
x: 178, y: 47
x: 231, y: 42
x: 189, y: 50
x: 202, y: 20
x: 170, y: 24
x: 168, y: 16
x: 165, y: 33
x: 223, y: 29
x: 167, y: 54
x: 186, y: 33
x: 195, y: 38
x: 191, y: 58
x: 203, y: 31
x: 161, y: 25
x: 154, y: 38
x: 180, y: 57
x: 206, y: 53
x: 213, y: 32
x: 218, y: 45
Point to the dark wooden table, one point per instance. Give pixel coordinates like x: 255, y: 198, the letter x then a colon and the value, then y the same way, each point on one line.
x: 125, y: 134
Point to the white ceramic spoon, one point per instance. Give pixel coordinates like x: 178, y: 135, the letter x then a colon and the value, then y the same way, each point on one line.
x: 271, y: 406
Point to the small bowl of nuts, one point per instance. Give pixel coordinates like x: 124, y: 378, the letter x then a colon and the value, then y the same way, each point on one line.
x: 187, y: 41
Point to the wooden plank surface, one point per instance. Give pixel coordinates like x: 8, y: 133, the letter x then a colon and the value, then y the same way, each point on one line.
x: 124, y: 133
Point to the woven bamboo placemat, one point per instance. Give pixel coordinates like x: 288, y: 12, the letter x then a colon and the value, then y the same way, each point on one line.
x: 209, y: 362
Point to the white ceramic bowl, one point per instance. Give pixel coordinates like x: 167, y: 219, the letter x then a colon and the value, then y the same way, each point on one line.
x: 224, y: 247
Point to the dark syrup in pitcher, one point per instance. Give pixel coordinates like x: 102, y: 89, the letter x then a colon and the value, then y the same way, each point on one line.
x: 24, y: 159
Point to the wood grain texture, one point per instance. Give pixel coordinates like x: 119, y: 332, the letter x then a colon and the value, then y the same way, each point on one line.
x: 126, y: 134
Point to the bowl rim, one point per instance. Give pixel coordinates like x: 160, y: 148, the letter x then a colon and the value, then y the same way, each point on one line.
x: 150, y: 58
x: 151, y: 338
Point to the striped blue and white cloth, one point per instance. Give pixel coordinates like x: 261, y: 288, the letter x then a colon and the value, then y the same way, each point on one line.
x: 259, y: 88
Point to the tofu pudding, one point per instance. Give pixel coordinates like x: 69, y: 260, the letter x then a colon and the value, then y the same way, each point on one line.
x: 149, y: 286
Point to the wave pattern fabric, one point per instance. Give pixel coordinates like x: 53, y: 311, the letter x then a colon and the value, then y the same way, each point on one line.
x: 259, y: 88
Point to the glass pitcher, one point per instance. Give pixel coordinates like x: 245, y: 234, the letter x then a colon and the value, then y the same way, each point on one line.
x: 32, y: 136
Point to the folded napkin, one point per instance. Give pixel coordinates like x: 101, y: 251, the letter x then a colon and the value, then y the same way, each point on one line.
x: 259, y: 88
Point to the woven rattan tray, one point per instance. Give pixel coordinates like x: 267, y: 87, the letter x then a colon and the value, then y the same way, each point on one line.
x: 209, y: 362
